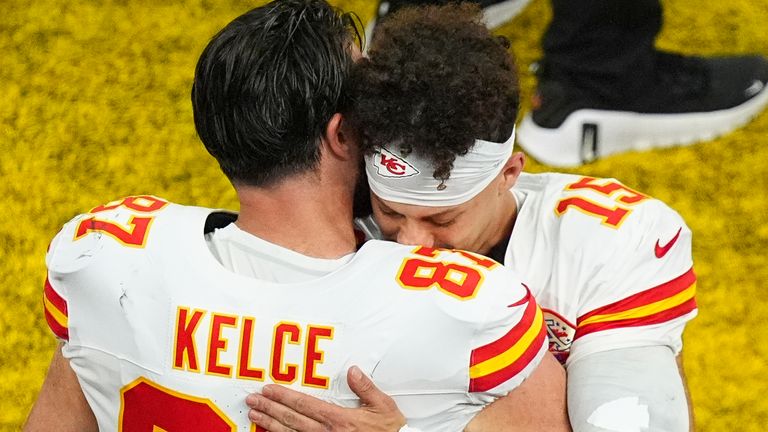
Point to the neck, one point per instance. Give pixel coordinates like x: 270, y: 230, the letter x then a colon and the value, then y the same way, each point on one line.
x: 505, y: 220
x: 303, y: 214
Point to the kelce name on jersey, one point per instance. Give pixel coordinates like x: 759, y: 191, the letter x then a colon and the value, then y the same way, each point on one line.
x: 305, y: 338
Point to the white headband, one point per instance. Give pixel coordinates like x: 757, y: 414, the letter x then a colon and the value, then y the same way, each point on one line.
x: 409, y: 180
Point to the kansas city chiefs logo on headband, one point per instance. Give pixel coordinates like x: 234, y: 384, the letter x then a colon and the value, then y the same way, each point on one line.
x: 390, y: 165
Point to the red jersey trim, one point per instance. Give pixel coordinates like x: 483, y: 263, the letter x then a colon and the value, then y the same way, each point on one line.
x: 659, y: 304
x: 56, y: 312
x: 507, y: 341
x: 496, y: 362
x: 487, y: 382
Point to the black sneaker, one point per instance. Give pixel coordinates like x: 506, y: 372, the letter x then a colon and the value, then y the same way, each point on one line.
x: 691, y: 99
x: 496, y: 12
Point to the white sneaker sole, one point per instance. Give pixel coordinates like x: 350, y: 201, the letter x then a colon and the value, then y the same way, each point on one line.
x: 587, y: 135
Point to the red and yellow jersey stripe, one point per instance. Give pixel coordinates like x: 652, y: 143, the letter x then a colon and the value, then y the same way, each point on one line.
x: 659, y: 304
x: 494, y: 363
x: 56, y: 313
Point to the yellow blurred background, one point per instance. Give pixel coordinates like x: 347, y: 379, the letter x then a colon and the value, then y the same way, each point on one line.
x: 94, y: 105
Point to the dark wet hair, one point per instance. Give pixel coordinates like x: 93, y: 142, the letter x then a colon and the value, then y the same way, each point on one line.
x: 267, y: 84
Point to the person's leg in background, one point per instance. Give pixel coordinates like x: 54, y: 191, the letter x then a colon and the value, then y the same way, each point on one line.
x: 605, y: 89
x: 601, y: 45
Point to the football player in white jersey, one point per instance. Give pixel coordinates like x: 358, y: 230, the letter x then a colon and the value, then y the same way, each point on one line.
x: 169, y: 315
x: 611, y: 267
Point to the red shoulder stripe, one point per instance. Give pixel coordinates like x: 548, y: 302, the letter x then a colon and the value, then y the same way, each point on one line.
x: 56, y: 312
x: 55, y: 298
x: 487, y: 382
x: 652, y: 295
x: 502, y: 344
x: 663, y: 316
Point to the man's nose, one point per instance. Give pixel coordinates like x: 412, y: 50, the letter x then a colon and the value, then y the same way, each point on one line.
x: 415, y: 234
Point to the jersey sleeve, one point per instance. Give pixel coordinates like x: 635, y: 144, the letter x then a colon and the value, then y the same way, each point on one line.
x: 61, y: 260
x: 510, y: 346
x: 84, y: 240
x: 641, y: 285
x: 510, y: 337
x: 55, y: 311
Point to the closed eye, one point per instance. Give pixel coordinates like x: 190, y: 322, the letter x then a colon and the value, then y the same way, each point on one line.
x: 390, y: 213
x: 443, y: 224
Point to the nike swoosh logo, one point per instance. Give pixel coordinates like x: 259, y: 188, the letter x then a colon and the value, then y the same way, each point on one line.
x: 525, y: 298
x: 660, y: 251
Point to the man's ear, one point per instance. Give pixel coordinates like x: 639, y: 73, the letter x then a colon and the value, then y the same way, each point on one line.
x: 512, y: 169
x: 339, y: 138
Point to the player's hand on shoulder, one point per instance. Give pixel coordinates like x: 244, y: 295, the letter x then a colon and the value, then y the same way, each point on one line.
x: 280, y: 409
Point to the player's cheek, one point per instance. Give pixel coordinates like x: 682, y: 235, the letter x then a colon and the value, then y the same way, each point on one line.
x: 389, y: 228
x: 469, y: 235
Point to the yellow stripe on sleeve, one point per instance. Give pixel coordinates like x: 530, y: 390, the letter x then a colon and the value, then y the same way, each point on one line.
x: 60, y: 318
x: 645, y: 310
x: 512, y: 354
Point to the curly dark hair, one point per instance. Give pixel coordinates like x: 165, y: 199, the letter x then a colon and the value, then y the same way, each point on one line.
x: 267, y: 84
x: 436, y: 79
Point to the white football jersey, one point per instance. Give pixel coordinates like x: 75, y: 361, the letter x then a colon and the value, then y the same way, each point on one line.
x: 163, y: 337
x: 610, y: 267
